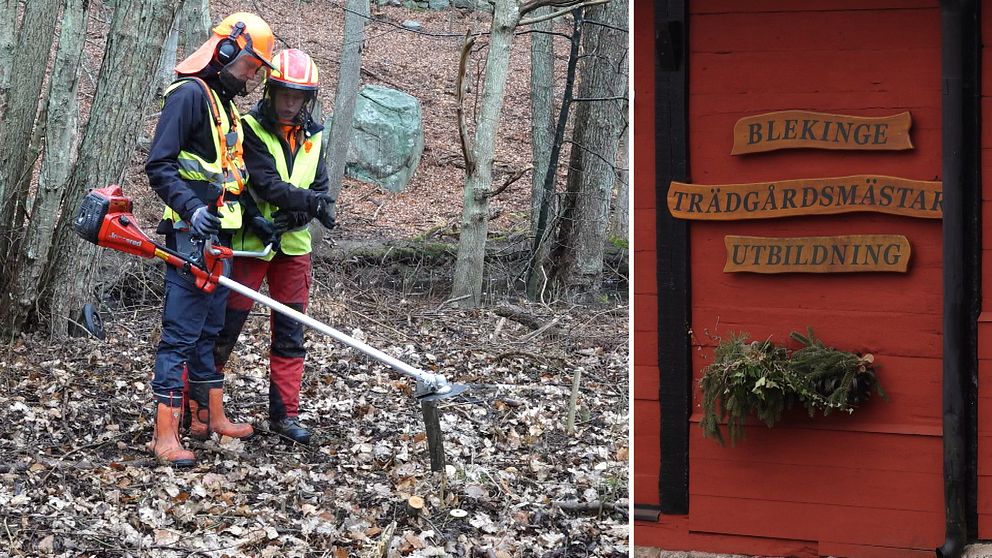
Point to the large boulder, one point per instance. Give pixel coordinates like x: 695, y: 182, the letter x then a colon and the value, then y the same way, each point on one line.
x: 387, y: 138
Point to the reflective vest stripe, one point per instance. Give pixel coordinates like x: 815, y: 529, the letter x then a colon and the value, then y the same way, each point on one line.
x: 297, y: 242
x: 194, y: 167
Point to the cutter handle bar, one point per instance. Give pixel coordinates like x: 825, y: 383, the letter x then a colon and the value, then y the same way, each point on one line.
x: 432, y: 381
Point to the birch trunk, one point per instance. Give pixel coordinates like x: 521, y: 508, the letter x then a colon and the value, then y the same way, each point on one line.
x: 34, y: 43
x: 599, y: 121
x: 116, y: 118
x: 349, y: 81
x: 467, y: 284
x: 542, y: 88
x: 27, y: 268
x: 8, y: 31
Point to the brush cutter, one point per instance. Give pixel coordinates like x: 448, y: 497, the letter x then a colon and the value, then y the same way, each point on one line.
x: 105, y: 219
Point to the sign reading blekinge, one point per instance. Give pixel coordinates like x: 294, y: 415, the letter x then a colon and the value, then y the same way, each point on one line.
x: 807, y: 196
x: 793, y: 129
x: 817, y: 254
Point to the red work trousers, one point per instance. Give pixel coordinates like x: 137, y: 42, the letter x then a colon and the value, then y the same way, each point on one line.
x: 289, y: 279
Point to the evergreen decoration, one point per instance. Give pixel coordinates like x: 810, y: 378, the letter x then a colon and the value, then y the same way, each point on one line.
x: 761, y: 379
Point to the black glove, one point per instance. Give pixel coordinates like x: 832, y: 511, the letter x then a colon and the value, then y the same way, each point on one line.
x: 266, y: 230
x: 204, y: 223
x: 325, y: 211
x: 290, y: 220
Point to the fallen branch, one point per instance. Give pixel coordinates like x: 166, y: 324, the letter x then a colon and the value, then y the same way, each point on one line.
x: 597, y: 506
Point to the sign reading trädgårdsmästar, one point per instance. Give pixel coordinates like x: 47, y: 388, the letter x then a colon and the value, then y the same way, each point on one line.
x: 806, y: 196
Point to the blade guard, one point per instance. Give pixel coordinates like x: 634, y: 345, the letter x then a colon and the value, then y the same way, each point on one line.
x: 205, y: 277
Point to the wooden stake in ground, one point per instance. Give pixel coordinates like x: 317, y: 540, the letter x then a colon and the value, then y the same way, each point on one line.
x: 435, y: 440
x: 572, y: 400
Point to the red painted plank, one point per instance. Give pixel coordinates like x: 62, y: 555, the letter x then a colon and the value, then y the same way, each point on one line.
x: 673, y: 535
x: 645, y: 351
x: 644, y: 133
x: 646, y: 383
x: 985, y: 526
x: 880, y: 333
x: 818, y: 484
x: 643, y: 260
x: 839, y: 550
x: 645, y: 313
x: 736, y: 6
x: 829, y: 448
x: 825, y: 70
x: 844, y: 524
x: 845, y: 30
x: 645, y: 229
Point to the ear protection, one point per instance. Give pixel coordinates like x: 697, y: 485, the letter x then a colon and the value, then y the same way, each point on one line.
x: 227, y: 48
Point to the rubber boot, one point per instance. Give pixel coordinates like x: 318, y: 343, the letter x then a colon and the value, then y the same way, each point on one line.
x: 165, y: 442
x: 290, y: 428
x: 205, y: 420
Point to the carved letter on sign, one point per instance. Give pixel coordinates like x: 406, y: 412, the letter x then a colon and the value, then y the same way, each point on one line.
x: 817, y: 254
x: 806, y: 196
x: 793, y: 129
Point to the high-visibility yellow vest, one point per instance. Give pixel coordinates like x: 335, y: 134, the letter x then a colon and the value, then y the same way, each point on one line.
x: 292, y: 243
x: 227, y: 170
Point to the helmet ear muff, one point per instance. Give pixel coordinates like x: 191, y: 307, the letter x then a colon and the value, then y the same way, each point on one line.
x: 228, y: 48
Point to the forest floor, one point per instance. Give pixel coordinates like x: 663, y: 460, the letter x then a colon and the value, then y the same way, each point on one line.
x: 75, y: 479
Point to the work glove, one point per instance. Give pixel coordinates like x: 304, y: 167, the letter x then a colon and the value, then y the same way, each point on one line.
x: 266, y: 230
x: 290, y: 220
x: 204, y: 223
x: 325, y: 211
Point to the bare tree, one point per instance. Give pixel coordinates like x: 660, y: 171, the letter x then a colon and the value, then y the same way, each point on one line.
x: 27, y: 266
x: 542, y: 91
x: 356, y: 13
x: 600, y: 120
x: 17, y: 130
x: 119, y: 106
x: 8, y: 31
x: 507, y: 16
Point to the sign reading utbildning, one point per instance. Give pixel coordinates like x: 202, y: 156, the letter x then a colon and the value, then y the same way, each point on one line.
x: 817, y: 254
x: 807, y: 196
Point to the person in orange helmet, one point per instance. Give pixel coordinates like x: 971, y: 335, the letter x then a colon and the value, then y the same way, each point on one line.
x: 196, y: 166
x: 289, y: 182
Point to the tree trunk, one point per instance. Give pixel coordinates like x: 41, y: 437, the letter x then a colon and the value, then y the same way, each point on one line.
x: 17, y: 157
x: 194, y: 25
x: 28, y: 265
x: 349, y: 81
x: 620, y: 216
x: 537, y: 273
x: 599, y: 121
x: 8, y: 31
x: 467, y: 284
x: 116, y: 118
x: 542, y: 88
x: 167, y: 61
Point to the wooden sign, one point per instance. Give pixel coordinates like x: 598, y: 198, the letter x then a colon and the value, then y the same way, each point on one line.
x: 792, y: 129
x: 806, y: 196
x: 817, y: 254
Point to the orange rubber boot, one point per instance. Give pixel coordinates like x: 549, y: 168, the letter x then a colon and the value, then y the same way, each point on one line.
x: 165, y: 442
x: 212, y: 419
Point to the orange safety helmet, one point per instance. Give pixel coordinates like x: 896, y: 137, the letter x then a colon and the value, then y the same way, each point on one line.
x: 294, y: 69
x: 238, y: 32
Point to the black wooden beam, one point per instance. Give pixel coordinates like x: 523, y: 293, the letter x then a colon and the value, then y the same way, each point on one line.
x: 671, y: 163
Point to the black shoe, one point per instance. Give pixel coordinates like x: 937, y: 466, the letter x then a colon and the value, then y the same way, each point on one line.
x: 289, y: 427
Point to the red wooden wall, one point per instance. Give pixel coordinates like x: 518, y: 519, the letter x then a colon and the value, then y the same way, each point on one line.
x: 647, y: 414
x: 985, y: 319
x: 864, y: 485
